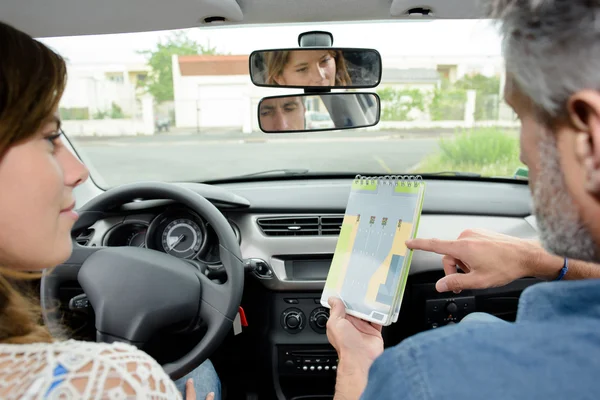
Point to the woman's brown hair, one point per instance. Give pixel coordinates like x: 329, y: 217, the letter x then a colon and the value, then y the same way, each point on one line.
x: 32, y: 81
x: 277, y: 60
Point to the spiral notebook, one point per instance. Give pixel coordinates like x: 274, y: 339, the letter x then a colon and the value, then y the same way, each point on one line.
x: 371, y: 262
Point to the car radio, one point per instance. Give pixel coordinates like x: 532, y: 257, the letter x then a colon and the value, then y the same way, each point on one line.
x: 307, y: 361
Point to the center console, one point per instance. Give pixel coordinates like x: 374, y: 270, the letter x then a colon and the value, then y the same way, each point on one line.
x: 304, y: 363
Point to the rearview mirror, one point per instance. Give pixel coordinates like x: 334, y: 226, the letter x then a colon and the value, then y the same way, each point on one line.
x: 322, y: 112
x: 316, y: 68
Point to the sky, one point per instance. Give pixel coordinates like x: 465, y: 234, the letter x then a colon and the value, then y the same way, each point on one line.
x: 391, y: 39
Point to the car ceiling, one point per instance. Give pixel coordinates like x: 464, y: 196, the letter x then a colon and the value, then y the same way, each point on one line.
x: 51, y: 18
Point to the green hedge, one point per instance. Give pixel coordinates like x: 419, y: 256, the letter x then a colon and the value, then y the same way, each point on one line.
x: 487, y: 151
x: 74, y: 113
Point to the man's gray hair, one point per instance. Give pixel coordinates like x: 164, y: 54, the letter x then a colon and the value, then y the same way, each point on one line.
x: 551, y: 48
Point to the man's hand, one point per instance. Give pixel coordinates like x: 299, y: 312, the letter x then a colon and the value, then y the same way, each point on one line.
x: 488, y: 259
x: 358, y: 344
x: 352, y: 336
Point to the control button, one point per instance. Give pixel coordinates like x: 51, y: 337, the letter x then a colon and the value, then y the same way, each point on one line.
x: 318, y: 319
x: 451, y: 307
x: 292, y: 321
x: 321, y: 320
x: 291, y: 301
x: 312, y: 367
x: 289, y: 363
x: 80, y: 303
x: 317, y: 301
x: 305, y: 368
x: 334, y: 367
x: 259, y: 268
x: 327, y: 368
x: 319, y: 368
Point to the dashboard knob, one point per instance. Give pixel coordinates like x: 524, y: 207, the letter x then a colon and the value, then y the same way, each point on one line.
x: 318, y: 319
x: 451, y: 307
x: 292, y: 320
x: 321, y: 320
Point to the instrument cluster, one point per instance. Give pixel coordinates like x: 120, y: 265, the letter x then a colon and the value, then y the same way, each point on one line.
x: 177, y: 231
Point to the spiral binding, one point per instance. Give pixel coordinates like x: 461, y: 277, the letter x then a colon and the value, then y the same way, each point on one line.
x: 395, y: 180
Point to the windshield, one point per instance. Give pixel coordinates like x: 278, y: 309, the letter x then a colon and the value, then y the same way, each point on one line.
x: 180, y: 105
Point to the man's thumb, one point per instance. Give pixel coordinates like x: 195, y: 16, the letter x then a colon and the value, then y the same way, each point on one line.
x: 455, y: 283
x: 338, y: 310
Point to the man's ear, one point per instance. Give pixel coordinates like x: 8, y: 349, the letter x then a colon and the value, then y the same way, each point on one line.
x: 584, y: 115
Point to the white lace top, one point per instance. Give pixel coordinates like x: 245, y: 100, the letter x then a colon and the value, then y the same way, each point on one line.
x: 81, y: 370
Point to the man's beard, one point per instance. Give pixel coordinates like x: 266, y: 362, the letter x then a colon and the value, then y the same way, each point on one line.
x: 560, y: 226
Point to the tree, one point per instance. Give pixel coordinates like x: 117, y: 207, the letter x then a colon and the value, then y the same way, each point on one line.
x: 397, y: 104
x: 160, y: 81
x: 449, y: 100
x: 487, y: 89
x: 448, y: 103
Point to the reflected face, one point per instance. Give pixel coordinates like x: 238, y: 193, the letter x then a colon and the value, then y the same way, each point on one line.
x: 282, y: 114
x: 308, y: 68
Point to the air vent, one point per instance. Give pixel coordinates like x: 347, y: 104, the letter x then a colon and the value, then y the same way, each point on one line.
x: 84, y: 237
x: 331, y: 225
x: 301, y: 225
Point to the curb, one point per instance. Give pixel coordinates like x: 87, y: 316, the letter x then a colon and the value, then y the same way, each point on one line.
x: 346, y: 139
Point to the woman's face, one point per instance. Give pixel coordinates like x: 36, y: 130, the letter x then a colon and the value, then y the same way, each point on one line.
x: 37, y: 178
x: 308, y: 68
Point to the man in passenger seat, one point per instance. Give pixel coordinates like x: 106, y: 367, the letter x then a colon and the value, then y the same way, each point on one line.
x: 552, y: 351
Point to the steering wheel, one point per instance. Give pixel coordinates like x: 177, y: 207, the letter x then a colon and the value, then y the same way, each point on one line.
x: 136, y: 292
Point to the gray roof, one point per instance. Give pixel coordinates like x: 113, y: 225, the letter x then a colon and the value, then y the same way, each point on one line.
x: 412, y: 75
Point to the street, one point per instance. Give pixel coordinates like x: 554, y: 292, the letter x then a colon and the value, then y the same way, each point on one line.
x: 194, y: 158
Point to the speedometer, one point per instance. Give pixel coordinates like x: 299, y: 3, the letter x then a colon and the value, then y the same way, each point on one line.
x: 182, y: 238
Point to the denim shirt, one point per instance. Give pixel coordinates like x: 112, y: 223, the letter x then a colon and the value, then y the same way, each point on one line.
x: 551, y: 351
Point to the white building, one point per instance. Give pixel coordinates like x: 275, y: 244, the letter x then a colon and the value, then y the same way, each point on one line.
x: 96, y: 87
x: 106, y: 100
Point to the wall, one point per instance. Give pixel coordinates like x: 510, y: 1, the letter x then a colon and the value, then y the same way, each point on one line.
x: 115, y: 127
x: 104, y: 127
x: 89, y: 87
x: 416, y: 125
x: 211, y: 102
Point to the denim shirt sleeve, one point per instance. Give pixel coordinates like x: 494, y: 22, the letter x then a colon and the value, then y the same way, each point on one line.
x: 397, y: 374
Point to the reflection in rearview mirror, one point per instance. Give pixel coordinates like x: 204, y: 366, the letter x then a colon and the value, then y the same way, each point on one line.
x: 316, y: 67
x: 322, y: 112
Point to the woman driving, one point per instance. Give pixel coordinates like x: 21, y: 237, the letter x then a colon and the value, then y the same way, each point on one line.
x: 38, y: 175
x: 306, y: 68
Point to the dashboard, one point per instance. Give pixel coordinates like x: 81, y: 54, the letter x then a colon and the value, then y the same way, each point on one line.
x: 172, y: 229
x: 289, y: 228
